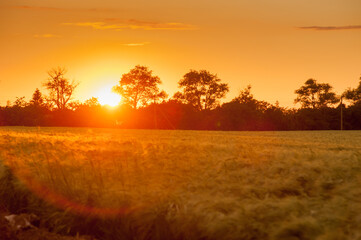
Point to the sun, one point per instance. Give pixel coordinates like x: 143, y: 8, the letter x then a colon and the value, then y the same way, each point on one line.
x: 106, y: 96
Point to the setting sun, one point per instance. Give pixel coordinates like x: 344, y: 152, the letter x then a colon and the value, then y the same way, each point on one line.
x: 107, y: 97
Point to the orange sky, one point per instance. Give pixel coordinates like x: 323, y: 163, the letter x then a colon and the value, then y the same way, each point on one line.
x: 263, y: 43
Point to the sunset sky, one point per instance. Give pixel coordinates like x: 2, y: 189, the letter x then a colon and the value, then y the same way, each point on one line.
x: 274, y: 45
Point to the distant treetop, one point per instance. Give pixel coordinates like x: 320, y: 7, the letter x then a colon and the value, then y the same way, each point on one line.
x: 60, y: 88
x: 354, y: 94
x: 139, y: 87
x: 315, y: 95
x: 201, y: 89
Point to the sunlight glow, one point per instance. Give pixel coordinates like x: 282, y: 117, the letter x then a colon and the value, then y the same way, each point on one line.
x: 107, y: 97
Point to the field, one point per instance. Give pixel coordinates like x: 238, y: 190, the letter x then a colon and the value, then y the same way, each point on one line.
x: 148, y: 184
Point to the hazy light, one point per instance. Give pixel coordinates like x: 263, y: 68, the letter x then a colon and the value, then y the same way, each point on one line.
x: 107, y: 97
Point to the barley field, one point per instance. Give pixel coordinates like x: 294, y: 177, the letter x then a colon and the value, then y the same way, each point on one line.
x: 153, y: 184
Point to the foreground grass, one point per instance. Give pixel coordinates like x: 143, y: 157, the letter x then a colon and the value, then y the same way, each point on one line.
x: 134, y: 184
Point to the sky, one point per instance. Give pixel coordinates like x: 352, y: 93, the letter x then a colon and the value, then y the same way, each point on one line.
x: 272, y: 45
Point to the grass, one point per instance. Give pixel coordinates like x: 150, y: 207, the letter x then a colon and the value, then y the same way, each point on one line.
x: 148, y: 184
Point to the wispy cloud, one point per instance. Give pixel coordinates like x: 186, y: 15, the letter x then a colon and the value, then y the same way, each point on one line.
x: 95, y: 25
x: 47, y: 35
x: 37, y: 8
x: 133, y: 24
x: 40, y: 8
x: 136, y: 44
x: 331, y: 28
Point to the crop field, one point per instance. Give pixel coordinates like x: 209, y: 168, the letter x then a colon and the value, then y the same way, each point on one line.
x: 150, y: 184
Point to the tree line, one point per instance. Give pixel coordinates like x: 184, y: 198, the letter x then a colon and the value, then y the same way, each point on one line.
x: 197, y: 106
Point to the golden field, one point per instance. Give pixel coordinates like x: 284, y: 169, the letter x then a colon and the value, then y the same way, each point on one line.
x: 152, y: 184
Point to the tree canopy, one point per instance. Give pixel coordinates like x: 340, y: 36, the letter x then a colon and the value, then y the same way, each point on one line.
x: 353, y: 94
x: 139, y: 87
x: 201, y: 89
x: 196, y: 106
x: 60, y: 88
x: 37, y: 99
x: 315, y: 95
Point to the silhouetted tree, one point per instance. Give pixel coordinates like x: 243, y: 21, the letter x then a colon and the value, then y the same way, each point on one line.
x: 74, y: 105
x: 201, y: 89
x: 353, y: 94
x: 162, y: 95
x: 244, y: 112
x: 37, y: 99
x: 245, y: 97
x: 315, y: 95
x: 20, y: 102
x: 37, y: 111
x: 60, y: 88
x: 139, y: 87
x: 352, y: 116
x: 92, y: 102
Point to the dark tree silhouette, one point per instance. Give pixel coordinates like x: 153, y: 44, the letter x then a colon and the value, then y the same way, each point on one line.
x: 37, y: 99
x: 201, y: 89
x: 74, y: 105
x: 139, y: 87
x: 353, y: 94
x: 92, y: 102
x: 60, y: 88
x: 244, y: 112
x: 20, y: 102
x: 315, y: 95
x: 245, y: 96
x: 37, y: 110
